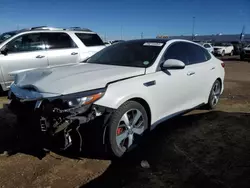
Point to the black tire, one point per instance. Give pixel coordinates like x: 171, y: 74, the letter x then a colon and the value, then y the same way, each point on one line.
x: 242, y: 58
x: 232, y: 53
x: 115, y: 150
x: 211, y: 105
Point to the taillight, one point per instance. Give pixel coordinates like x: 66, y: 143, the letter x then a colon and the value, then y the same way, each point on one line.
x: 223, y: 64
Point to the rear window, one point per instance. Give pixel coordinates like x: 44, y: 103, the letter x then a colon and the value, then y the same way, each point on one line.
x: 90, y: 39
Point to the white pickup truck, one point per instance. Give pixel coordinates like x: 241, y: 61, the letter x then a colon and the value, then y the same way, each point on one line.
x: 223, y: 49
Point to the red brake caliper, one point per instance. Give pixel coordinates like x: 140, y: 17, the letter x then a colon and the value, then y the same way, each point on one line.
x: 119, y: 131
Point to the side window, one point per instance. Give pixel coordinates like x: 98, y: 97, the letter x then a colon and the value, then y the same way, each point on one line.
x: 177, y: 51
x: 207, y: 54
x: 26, y: 43
x: 59, y: 41
x: 196, y: 54
x: 90, y: 39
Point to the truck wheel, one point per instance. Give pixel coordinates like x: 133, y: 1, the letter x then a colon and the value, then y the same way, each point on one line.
x: 126, y: 128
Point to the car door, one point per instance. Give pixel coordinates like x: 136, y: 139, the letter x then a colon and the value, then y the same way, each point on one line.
x: 202, y: 66
x: 26, y: 51
x: 61, y: 49
x: 177, y: 86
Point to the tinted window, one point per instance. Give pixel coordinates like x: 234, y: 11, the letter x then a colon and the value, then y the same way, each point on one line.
x: 59, y: 41
x: 26, y: 43
x: 196, y: 54
x: 90, y: 39
x: 131, y: 53
x: 177, y: 51
x: 207, y: 54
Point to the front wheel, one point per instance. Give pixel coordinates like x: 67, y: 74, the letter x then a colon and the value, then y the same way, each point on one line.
x: 214, y: 95
x: 126, y: 128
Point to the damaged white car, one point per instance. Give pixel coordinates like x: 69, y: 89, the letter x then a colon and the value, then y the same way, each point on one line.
x: 133, y: 86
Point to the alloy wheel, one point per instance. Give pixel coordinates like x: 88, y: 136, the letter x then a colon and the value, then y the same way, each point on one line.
x: 215, y: 93
x: 130, y: 126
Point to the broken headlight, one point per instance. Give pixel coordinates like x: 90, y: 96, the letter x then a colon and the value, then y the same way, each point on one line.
x: 83, y: 98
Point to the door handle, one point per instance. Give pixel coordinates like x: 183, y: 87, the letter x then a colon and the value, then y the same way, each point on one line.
x: 212, y: 68
x: 40, y: 56
x: 190, y: 73
x: 74, y: 53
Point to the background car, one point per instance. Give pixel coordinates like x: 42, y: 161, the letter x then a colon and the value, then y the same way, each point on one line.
x: 223, y: 49
x: 44, y: 47
x: 209, y: 47
x: 245, y: 54
x: 133, y: 86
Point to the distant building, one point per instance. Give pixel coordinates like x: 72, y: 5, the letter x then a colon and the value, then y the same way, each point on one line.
x: 214, y: 38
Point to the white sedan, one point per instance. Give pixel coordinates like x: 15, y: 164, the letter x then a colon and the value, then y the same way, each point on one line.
x: 133, y: 86
x: 209, y: 47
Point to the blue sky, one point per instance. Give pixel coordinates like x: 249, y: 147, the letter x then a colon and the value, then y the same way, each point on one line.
x: 110, y: 17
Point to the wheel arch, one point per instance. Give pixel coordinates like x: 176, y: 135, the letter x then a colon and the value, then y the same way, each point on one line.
x: 221, y: 83
x: 145, y: 105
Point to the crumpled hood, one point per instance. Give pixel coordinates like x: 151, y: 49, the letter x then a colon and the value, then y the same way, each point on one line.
x: 75, y: 78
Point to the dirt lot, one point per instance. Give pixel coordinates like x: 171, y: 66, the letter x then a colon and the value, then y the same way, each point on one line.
x: 200, y: 149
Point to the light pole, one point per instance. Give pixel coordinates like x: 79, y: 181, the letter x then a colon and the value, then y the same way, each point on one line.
x: 141, y: 35
x: 193, y: 28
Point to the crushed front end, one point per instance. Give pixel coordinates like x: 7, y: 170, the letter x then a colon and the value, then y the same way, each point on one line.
x: 57, y: 115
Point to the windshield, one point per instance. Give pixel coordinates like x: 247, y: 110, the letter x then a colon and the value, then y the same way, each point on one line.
x: 5, y: 36
x: 222, y: 44
x: 132, y: 53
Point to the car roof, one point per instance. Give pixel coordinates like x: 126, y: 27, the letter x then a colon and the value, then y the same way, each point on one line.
x: 150, y: 40
x: 46, y: 29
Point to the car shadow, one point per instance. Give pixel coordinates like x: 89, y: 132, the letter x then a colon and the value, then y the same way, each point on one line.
x: 202, y: 150
x: 207, y: 149
x: 16, y: 138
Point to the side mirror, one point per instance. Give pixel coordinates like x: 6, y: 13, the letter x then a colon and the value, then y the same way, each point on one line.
x: 4, y: 51
x: 173, y: 64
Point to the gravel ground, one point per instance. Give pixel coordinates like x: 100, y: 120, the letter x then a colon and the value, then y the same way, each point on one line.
x: 199, y: 149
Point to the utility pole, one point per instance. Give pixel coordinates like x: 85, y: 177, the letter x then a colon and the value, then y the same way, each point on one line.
x: 141, y: 35
x: 193, y: 28
x: 242, y: 34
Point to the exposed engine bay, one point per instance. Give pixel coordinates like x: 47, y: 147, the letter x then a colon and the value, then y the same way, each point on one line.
x: 55, y: 117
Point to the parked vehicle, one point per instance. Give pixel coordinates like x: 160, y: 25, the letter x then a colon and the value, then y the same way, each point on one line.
x: 128, y: 88
x: 108, y: 43
x: 223, y: 49
x: 245, y: 54
x: 209, y: 47
x: 44, y: 47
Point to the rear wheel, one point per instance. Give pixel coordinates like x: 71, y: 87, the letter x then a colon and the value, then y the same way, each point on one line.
x: 126, y: 128
x: 214, y: 95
